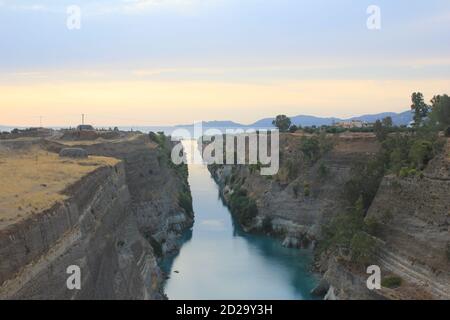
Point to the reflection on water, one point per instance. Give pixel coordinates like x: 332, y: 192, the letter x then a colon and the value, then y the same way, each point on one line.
x: 220, y: 261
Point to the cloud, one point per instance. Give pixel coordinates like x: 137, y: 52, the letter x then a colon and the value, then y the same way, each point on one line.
x: 146, y: 6
x: 32, y: 7
x: 101, y: 7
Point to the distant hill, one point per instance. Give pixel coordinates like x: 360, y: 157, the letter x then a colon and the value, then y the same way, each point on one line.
x: 403, y: 118
x: 398, y: 119
x: 304, y: 121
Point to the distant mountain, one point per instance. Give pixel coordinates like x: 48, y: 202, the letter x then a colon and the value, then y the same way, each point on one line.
x: 403, y: 118
x: 398, y: 119
x: 304, y: 121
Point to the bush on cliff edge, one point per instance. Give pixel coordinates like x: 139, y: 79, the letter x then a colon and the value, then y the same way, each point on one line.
x: 242, y: 206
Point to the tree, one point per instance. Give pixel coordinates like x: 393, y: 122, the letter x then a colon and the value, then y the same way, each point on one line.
x: 365, y: 181
x: 340, y: 231
x: 421, y: 153
x: 310, y: 147
x: 282, y: 122
x: 362, y: 248
x: 293, y: 128
x: 387, y: 122
x: 440, y: 111
x: 419, y: 107
x: 379, y: 130
x: 382, y: 128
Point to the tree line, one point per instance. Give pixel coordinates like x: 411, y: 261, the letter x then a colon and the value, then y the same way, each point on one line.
x: 432, y: 116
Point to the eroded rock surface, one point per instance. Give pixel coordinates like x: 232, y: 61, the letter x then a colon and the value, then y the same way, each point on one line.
x: 115, y: 224
x: 412, y: 213
x: 295, y: 214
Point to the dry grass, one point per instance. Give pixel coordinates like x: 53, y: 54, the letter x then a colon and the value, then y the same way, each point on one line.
x: 128, y: 138
x: 33, y: 181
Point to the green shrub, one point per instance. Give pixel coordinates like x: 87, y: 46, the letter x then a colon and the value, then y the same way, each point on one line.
x: 373, y: 226
x: 362, y: 248
x: 306, y: 190
x: 404, y: 172
x: 447, y: 131
x: 346, y: 236
x: 295, y: 189
x: 364, y: 182
x: 185, y: 202
x: 323, y: 170
x: 391, y: 282
x: 249, y: 212
x: 233, y: 178
x: 293, y: 169
x: 157, y: 247
x: 421, y: 153
x: 407, y: 172
x: 244, y: 207
x: 293, y: 128
x: 267, y: 225
x: 159, y: 138
x: 410, y: 151
x: 339, y: 233
x: 310, y: 148
x: 255, y: 167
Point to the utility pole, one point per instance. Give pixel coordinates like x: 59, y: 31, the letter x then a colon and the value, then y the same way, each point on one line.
x: 40, y: 121
x: 82, y: 119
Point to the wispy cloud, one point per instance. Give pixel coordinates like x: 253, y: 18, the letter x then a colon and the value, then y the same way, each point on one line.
x: 145, y: 6
x: 97, y: 7
x: 408, y: 68
x: 31, y: 7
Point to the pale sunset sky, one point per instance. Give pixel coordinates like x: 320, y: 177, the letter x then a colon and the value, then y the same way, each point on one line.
x: 165, y: 62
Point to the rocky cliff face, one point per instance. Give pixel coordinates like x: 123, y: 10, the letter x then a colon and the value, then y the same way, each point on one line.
x: 413, y: 236
x: 155, y: 187
x: 412, y: 216
x: 297, y: 208
x: 115, y: 225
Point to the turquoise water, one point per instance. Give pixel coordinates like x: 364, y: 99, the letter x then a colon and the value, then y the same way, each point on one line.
x: 219, y: 261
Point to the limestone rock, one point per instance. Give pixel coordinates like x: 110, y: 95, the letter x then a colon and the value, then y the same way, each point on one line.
x: 77, y: 153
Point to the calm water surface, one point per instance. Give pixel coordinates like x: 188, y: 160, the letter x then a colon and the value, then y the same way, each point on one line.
x: 219, y: 261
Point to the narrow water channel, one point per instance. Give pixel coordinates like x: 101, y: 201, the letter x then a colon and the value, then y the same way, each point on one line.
x: 219, y: 261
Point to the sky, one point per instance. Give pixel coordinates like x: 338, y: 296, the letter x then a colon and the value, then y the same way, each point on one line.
x: 165, y: 62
